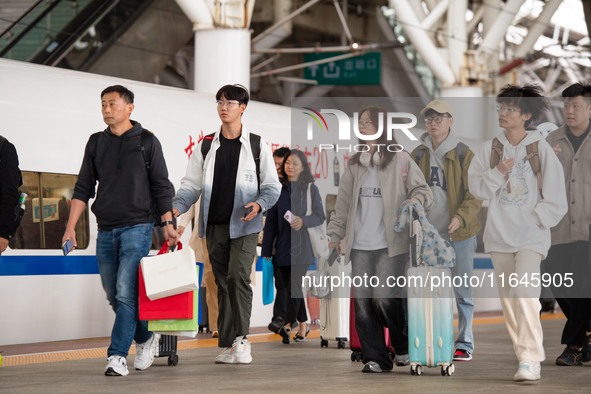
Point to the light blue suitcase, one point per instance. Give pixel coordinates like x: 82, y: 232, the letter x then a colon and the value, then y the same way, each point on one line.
x: 430, y: 311
x: 430, y: 323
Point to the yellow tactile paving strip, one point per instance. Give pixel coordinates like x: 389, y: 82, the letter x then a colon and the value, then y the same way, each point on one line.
x: 82, y: 354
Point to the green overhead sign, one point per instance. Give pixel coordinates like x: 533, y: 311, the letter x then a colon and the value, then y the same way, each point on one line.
x: 359, y: 70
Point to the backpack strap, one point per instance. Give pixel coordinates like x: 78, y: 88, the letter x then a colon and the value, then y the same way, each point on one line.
x: 146, y: 136
x: 533, y: 156
x: 496, y: 153
x: 461, y: 150
x: 255, y: 147
x: 419, y: 153
x: 206, y: 145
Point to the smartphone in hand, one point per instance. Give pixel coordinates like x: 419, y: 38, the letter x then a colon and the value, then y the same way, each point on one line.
x: 247, y: 212
x: 288, y: 216
x: 67, y: 247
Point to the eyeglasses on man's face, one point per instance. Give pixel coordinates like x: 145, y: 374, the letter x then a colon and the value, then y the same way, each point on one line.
x: 509, y: 109
x: 228, y: 103
x: 436, y: 119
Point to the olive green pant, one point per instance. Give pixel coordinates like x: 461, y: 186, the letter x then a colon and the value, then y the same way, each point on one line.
x: 231, y: 260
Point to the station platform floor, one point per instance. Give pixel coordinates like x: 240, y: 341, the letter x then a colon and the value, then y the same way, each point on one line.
x: 77, y: 367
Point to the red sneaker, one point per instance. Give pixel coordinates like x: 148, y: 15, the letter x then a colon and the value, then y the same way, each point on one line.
x: 462, y: 355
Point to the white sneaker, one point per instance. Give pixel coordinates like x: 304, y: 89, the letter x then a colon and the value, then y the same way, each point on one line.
x: 528, y: 371
x: 241, y: 348
x: 116, y: 366
x: 145, y: 352
x: 239, y: 353
x: 226, y: 356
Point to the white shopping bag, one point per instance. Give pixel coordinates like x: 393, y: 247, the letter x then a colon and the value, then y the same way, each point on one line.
x: 171, y: 273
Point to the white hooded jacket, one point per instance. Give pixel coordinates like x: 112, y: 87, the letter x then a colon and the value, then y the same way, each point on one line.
x: 520, y: 219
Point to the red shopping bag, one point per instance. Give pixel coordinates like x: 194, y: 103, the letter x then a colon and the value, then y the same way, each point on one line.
x: 179, y: 306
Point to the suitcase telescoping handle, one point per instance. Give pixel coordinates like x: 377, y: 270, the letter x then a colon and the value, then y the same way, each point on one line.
x: 415, y: 229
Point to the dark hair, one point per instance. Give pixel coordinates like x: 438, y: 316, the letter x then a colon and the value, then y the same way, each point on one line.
x: 126, y: 94
x: 306, y: 175
x: 281, y: 152
x: 578, y: 89
x: 233, y: 92
x: 535, y: 104
x: 375, y: 113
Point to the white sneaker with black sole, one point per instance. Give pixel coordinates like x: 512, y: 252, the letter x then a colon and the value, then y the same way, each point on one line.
x: 145, y: 352
x: 116, y: 366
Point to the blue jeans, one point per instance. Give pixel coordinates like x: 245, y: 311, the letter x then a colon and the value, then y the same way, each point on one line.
x: 464, y: 265
x: 119, y: 252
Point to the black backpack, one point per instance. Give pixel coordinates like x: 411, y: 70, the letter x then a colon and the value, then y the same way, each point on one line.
x: 255, y: 146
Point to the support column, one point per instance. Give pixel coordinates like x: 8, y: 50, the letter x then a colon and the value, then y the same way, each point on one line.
x: 222, y: 42
x: 457, y: 41
x: 222, y: 56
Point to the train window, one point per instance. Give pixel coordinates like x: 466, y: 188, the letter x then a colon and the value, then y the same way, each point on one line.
x: 46, y: 212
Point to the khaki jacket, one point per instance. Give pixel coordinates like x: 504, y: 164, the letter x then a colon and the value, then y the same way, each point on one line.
x: 394, y: 193
x: 461, y: 203
x: 574, y: 226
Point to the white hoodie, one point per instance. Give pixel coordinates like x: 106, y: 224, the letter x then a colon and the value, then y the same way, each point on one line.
x: 521, y: 219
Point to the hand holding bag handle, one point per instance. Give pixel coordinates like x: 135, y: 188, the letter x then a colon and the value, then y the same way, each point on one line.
x: 167, y: 249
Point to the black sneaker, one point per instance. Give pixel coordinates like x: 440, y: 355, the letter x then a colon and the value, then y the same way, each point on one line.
x: 275, y: 325
x: 570, y: 357
x: 586, y: 351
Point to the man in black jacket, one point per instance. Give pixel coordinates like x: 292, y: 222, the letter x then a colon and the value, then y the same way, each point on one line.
x: 10, y: 180
x: 128, y: 163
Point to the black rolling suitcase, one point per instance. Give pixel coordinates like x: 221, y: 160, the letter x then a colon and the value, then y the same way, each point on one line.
x: 167, y: 348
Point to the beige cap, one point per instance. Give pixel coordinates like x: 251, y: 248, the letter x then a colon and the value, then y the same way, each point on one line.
x: 439, y: 106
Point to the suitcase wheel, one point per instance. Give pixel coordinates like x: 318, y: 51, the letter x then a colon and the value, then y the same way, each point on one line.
x: 448, y: 370
x: 416, y: 370
x: 356, y: 355
x: 173, y: 360
x: 341, y: 344
x: 323, y: 342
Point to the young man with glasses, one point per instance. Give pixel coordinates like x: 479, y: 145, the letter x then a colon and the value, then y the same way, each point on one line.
x: 444, y: 161
x: 235, y: 195
x: 524, y: 203
x: 570, y: 238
